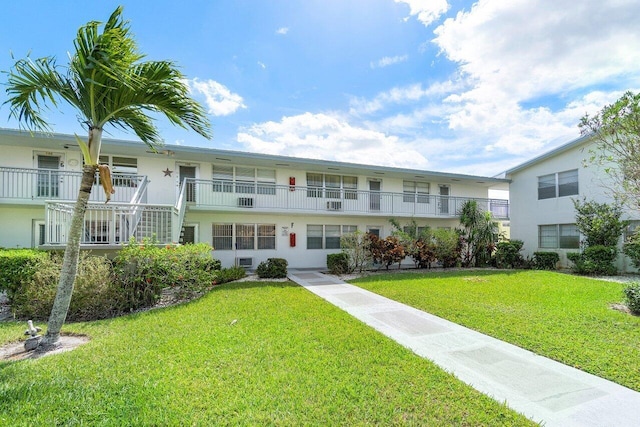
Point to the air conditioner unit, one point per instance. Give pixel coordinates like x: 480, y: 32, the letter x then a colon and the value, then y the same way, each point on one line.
x: 245, y: 202
x: 334, y: 206
x: 244, y: 262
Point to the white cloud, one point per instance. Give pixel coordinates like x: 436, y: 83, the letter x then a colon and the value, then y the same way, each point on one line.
x: 388, y: 60
x: 400, y: 95
x: 282, y: 31
x: 219, y: 99
x: 328, y: 137
x: 427, y: 11
x: 514, y: 53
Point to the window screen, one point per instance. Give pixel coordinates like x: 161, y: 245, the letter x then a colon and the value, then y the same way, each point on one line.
x: 546, y: 186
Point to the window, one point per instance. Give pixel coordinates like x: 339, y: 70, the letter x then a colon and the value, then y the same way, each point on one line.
x: 346, y: 229
x: 266, y: 181
x: 329, y: 235
x: 548, y: 236
x: 314, y: 237
x: 314, y: 185
x: 415, y: 191
x: 223, y: 179
x: 418, y: 230
x: 569, y: 236
x: 244, y: 180
x: 546, y: 186
x: 568, y: 183
x: 332, y: 237
x: 558, y: 185
x: 245, y: 236
x: 332, y: 186
x: 558, y: 236
x: 332, y: 183
x: 266, y: 236
x: 222, y: 237
x: 350, y: 185
x: 121, y: 166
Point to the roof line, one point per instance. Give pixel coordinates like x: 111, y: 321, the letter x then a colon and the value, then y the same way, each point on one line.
x: 562, y: 148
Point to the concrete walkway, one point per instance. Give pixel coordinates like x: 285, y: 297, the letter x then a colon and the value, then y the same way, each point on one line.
x: 546, y: 391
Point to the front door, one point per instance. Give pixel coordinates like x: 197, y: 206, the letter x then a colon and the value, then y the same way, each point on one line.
x: 444, y: 200
x: 374, y: 195
x: 188, y: 172
x: 48, y: 182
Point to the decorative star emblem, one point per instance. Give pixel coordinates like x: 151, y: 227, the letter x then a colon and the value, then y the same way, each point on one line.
x: 167, y: 172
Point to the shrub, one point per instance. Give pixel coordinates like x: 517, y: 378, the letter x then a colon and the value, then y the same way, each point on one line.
x: 386, y: 251
x: 143, y: 270
x: 597, y: 259
x: 508, y: 254
x: 631, y: 249
x: 599, y: 223
x: 423, y: 253
x: 17, y: 266
x: 230, y: 274
x: 632, y: 296
x: 545, y: 260
x: 338, y: 263
x: 95, y: 296
x: 357, y: 246
x: 448, y: 247
x: 272, y: 268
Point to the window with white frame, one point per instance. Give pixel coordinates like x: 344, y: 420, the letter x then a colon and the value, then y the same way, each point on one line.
x: 415, y: 191
x: 243, y: 180
x: 245, y: 236
x: 266, y: 236
x: 327, y: 236
x: 222, y: 237
x: 314, y: 236
x: 121, y: 166
x: 558, y: 236
x: 332, y: 236
x: 332, y: 186
x: 558, y: 184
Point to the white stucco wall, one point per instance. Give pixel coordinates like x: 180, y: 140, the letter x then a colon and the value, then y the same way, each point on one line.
x: 298, y: 256
x: 17, y: 225
x: 527, y: 212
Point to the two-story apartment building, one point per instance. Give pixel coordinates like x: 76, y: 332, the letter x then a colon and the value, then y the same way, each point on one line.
x: 250, y: 207
x: 541, y: 195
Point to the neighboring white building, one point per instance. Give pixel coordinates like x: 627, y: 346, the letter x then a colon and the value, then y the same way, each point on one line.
x: 250, y: 207
x: 541, y: 193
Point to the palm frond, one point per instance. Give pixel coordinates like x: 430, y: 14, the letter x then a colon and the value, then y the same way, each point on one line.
x: 109, y: 84
x: 31, y: 84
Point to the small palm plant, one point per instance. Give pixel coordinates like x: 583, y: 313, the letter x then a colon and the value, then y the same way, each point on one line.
x: 107, y: 82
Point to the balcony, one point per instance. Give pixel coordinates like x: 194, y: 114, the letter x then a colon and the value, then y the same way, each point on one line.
x: 229, y: 196
x: 34, y: 186
x: 111, y: 224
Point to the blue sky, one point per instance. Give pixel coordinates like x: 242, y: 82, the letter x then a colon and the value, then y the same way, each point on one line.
x: 444, y: 85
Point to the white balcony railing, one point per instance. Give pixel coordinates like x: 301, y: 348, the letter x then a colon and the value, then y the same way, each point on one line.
x: 224, y: 195
x: 24, y: 184
x: 111, y: 224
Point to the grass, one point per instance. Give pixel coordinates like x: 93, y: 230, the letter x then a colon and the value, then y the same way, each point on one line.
x: 288, y: 359
x: 563, y: 317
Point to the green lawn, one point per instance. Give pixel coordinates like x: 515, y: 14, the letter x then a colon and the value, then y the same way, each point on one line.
x: 289, y: 359
x: 564, y: 317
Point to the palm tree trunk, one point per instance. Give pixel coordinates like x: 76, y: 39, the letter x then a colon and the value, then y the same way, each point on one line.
x: 69, y: 263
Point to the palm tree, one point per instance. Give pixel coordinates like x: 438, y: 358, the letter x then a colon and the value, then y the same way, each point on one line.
x: 108, y: 84
x: 479, y: 233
